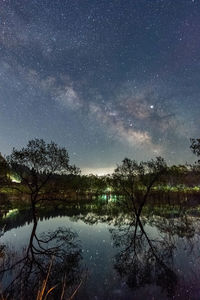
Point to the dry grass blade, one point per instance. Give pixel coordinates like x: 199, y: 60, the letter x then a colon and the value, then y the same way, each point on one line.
x: 78, y: 287
x: 76, y: 290
x: 43, y: 294
x: 49, y: 291
x: 63, y: 288
x: 40, y: 295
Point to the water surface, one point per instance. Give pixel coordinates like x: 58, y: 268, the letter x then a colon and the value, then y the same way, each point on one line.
x: 103, y: 253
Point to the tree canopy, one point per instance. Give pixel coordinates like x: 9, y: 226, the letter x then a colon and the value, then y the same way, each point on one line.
x: 195, y: 147
x: 38, y: 162
x: 136, y: 180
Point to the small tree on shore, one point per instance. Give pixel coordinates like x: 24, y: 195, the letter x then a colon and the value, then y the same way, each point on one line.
x: 195, y: 147
x: 3, y: 171
x: 136, y: 180
x: 37, y: 163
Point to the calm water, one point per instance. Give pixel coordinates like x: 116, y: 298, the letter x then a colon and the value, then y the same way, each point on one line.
x: 103, y: 253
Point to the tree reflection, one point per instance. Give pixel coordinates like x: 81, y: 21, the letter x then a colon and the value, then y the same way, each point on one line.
x: 159, y: 251
x: 23, y: 272
x: 144, y: 259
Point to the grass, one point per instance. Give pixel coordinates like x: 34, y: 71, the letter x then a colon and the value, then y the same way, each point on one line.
x: 44, y: 292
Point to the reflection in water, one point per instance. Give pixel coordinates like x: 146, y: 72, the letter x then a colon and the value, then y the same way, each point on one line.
x: 144, y: 260
x: 22, y: 274
x: 154, y: 255
x: 1, y: 246
x: 148, y: 258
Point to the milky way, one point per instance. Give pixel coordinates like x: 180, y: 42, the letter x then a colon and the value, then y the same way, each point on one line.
x: 105, y: 79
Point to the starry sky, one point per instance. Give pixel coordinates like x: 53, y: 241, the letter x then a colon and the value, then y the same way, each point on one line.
x: 104, y: 78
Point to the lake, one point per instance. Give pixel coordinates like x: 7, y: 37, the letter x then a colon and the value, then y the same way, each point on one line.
x: 98, y: 253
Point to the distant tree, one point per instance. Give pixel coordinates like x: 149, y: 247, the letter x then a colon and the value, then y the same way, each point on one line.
x: 97, y: 184
x: 37, y: 163
x: 195, y: 147
x: 3, y: 171
x: 177, y: 174
x: 136, y: 180
x: 91, y: 184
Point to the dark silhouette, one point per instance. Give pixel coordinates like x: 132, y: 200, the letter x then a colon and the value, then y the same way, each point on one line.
x: 146, y: 260
x: 55, y: 255
x: 3, y: 171
x: 36, y: 164
x: 195, y: 147
x: 136, y: 180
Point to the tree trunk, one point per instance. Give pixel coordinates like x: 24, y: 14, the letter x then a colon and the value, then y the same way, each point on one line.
x: 33, y: 203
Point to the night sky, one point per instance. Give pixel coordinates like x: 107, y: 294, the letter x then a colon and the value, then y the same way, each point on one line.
x: 106, y: 79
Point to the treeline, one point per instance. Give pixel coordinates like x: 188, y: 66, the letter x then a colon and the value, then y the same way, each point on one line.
x: 41, y: 169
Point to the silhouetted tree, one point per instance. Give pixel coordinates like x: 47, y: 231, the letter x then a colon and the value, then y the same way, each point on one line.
x: 3, y: 171
x: 195, y: 147
x: 37, y: 163
x: 136, y: 180
x: 177, y: 174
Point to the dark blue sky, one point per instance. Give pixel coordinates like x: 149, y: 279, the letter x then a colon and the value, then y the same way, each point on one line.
x: 106, y: 79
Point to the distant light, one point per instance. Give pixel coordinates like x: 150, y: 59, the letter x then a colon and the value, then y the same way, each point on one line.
x: 15, y: 179
x: 11, y: 212
x: 152, y: 106
x: 98, y: 171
